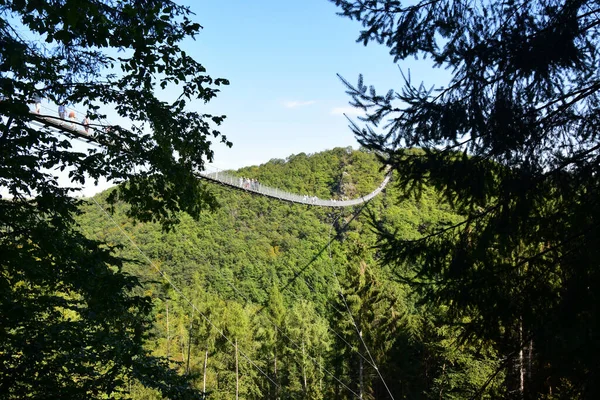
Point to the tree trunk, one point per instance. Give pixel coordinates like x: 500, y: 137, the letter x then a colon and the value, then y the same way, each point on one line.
x: 275, y: 370
x: 205, y: 364
x: 360, y: 374
x: 442, y: 385
x: 321, y: 374
x: 275, y: 365
x: 168, y: 335
x: 189, y: 349
x: 304, y: 370
x: 530, y: 362
x: 237, y: 375
x: 521, y: 363
x: 182, y: 350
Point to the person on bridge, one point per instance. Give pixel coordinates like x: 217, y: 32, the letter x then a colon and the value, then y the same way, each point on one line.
x: 62, y: 111
x: 37, y: 99
x: 86, y: 124
x: 72, y: 117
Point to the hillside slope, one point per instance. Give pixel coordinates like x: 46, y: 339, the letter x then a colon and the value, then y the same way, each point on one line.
x: 265, y: 279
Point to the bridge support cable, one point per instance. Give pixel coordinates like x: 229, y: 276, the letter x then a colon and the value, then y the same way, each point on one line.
x: 352, y: 319
x: 300, y: 272
x: 324, y: 248
x: 339, y: 336
x: 180, y: 292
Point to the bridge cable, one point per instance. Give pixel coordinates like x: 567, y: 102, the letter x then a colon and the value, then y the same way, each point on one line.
x: 350, y: 312
x: 301, y: 271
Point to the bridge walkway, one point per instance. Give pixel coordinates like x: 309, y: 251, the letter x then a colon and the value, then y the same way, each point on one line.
x: 213, y: 174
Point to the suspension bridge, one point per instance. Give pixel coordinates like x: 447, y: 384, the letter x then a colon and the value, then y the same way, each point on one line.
x: 92, y: 134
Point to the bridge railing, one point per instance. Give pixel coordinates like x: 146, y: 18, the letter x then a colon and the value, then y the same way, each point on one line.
x: 229, y: 179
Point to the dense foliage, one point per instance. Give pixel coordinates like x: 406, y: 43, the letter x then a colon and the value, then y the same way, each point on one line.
x: 511, y: 141
x: 264, y: 277
x: 71, y: 325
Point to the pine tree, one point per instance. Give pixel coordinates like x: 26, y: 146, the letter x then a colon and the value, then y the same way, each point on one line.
x: 306, y: 343
x: 512, y: 144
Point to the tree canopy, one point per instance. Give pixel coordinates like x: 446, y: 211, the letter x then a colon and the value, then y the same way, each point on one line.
x: 511, y: 141
x: 73, y: 323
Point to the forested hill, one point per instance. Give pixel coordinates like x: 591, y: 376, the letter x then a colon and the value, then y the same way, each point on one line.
x: 266, y: 284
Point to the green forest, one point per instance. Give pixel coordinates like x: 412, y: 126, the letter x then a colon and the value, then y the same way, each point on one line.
x: 474, y: 274
x: 268, y: 298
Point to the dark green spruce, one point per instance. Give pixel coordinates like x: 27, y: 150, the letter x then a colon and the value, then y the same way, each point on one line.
x: 511, y: 142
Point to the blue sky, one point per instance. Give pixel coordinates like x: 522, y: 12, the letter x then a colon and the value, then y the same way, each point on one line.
x: 282, y: 58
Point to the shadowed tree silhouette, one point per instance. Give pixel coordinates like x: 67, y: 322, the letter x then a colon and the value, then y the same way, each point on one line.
x: 512, y: 144
x: 72, y: 323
